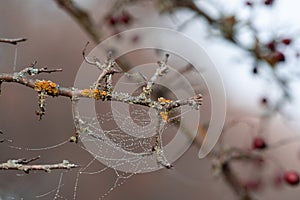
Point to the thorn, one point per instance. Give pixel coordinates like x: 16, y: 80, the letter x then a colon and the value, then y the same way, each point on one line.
x: 84, y: 49
x: 33, y: 64
x: 166, y: 59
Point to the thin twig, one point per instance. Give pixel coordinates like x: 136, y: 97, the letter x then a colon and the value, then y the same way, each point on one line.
x: 13, y: 41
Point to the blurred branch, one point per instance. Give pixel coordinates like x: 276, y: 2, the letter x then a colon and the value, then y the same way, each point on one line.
x: 222, y: 165
x: 89, y: 26
x: 230, y: 177
x: 23, y: 165
x: 192, y: 6
x: 81, y: 17
x: 14, y: 41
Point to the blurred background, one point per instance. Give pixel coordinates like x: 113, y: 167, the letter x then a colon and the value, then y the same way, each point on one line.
x: 56, y: 40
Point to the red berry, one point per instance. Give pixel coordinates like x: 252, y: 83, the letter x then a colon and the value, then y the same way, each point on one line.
x: 125, y: 18
x: 280, y: 57
x: 249, y: 3
x: 271, y: 45
x: 292, y: 178
x: 264, y: 101
x: 112, y: 20
x: 255, y: 70
x: 259, y: 143
x: 269, y: 2
x: 286, y: 41
x: 275, y: 57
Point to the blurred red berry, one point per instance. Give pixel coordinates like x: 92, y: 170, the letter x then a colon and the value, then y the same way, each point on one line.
x: 274, y: 58
x: 249, y: 3
x: 268, y: 2
x: 125, y: 18
x: 280, y: 57
x: 264, y: 101
x: 291, y: 178
x: 255, y: 70
x: 271, y: 45
x: 259, y: 143
x: 111, y: 20
x: 286, y: 41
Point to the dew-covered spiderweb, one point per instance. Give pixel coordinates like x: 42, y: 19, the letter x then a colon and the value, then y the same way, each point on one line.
x: 121, y: 153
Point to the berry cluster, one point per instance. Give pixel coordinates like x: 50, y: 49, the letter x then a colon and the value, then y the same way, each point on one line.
x: 250, y: 3
x: 124, y: 18
x: 291, y: 178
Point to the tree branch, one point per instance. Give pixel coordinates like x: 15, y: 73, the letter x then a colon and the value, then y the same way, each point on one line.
x: 81, y: 17
x: 222, y: 161
x: 22, y: 165
x: 14, y: 41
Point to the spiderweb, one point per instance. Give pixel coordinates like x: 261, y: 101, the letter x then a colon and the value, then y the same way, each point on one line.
x: 123, y: 153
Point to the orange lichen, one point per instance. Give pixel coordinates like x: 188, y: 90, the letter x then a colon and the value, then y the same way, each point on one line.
x: 94, y: 93
x: 163, y: 100
x: 86, y: 93
x: 165, y: 116
x: 49, y: 87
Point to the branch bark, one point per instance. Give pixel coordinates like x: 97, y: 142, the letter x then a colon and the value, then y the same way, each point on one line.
x: 14, y: 41
x: 23, y: 165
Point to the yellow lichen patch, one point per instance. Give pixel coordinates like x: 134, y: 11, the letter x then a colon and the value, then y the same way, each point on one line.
x: 86, y: 93
x: 99, y: 94
x: 163, y: 100
x: 94, y: 93
x: 165, y: 116
x: 49, y: 87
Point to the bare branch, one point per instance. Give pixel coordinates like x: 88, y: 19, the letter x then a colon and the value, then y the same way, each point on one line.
x: 81, y: 17
x: 14, y: 41
x: 192, y: 6
x: 160, y: 71
x: 222, y: 161
x: 53, y: 89
x: 31, y: 70
x: 194, y: 102
x: 26, y: 161
x: 22, y: 165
